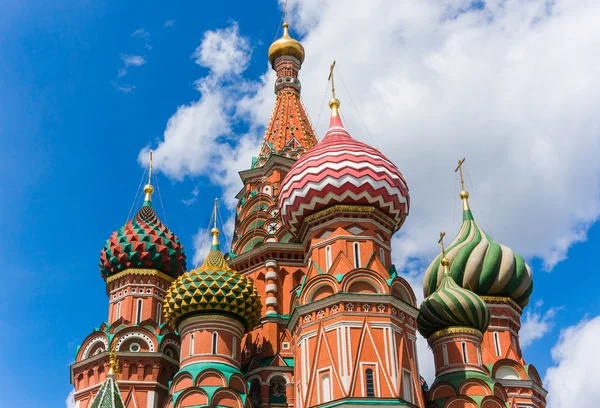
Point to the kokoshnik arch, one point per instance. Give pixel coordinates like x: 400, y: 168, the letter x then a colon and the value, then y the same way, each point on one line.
x: 306, y: 309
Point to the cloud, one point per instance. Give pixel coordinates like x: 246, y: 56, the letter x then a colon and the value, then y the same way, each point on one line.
x: 536, y: 324
x: 433, y: 82
x: 199, y: 139
x: 169, y: 23
x: 70, y: 401
x: 224, y: 52
x: 572, y: 381
x: 133, y: 60
x: 141, y: 33
x: 201, y: 246
x: 123, y: 88
x: 193, y: 197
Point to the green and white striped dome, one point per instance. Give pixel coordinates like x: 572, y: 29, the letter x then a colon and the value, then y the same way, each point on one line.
x: 452, y: 306
x: 480, y: 264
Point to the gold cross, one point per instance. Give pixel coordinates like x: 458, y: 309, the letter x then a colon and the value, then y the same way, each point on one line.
x: 215, y: 211
x: 150, y: 171
x: 284, y: 11
x: 459, y: 168
x: 441, y: 241
x: 331, y: 79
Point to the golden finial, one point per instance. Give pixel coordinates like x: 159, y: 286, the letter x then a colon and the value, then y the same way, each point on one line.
x: 464, y: 196
x: 148, y: 189
x: 113, y: 364
x: 285, y: 45
x: 445, y: 262
x: 334, y: 103
x: 215, y: 230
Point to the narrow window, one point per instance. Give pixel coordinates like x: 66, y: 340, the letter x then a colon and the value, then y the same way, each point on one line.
x: 407, y: 386
x: 159, y: 314
x: 370, y: 382
x: 191, y: 344
x: 464, y: 350
x: 497, y: 344
x: 356, y: 255
x: 445, y: 353
x: 325, y: 389
x: 118, y: 311
x: 140, y: 304
x: 215, y: 338
x: 328, y: 257
x: 233, y: 348
x: 382, y: 256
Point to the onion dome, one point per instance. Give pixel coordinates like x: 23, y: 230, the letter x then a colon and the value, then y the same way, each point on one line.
x: 480, y: 264
x: 340, y: 170
x: 286, y: 45
x: 213, y: 288
x: 452, y: 306
x: 143, y: 242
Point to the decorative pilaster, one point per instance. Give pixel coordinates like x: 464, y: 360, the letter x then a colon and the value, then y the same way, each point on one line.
x: 271, y: 287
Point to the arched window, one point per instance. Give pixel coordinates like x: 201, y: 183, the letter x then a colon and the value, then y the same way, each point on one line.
x: 445, y: 353
x: 118, y: 311
x: 382, y: 256
x: 328, y: 260
x: 191, y: 344
x: 233, y: 348
x: 325, y: 389
x: 497, y: 344
x: 356, y: 254
x: 464, y: 351
x: 215, y: 339
x: 158, y: 313
x: 140, y: 304
x: 507, y: 373
x: 369, y: 382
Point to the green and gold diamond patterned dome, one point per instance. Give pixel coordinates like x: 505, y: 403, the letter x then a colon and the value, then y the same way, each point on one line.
x: 213, y: 288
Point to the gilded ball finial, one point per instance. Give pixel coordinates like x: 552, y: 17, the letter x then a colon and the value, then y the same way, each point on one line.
x: 445, y: 261
x: 148, y: 189
x: 464, y: 195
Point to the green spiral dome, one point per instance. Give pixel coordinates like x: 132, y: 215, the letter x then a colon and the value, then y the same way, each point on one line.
x: 452, y: 306
x: 480, y: 264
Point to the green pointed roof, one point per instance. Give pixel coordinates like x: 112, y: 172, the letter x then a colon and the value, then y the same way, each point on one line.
x: 452, y: 306
x: 109, y: 395
x: 482, y: 265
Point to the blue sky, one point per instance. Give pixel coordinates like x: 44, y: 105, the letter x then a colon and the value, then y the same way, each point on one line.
x: 73, y: 126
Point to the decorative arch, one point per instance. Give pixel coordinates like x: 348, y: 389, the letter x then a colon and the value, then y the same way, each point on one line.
x: 492, y: 402
x: 238, y: 383
x: 316, y: 282
x: 92, y: 344
x: 533, y: 374
x: 277, y: 383
x: 474, y: 386
x: 365, y: 276
x: 460, y: 401
x: 402, y: 290
x: 226, y: 398
x: 192, y: 397
x: 503, y: 368
x: 211, y: 378
x: 441, y: 390
x: 183, y: 381
x: 136, y: 335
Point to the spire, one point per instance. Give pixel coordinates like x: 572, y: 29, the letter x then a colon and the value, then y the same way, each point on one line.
x: 113, y: 364
x: 445, y: 262
x: 334, y: 103
x: 464, y: 195
x: 108, y: 395
x: 215, y: 231
x: 148, y: 189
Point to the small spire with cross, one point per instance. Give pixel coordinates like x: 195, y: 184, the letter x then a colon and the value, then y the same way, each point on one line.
x: 148, y: 189
x: 464, y: 195
x: 113, y: 364
x: 215, y: 231
x: 445, y: 262
x: 334, y: 103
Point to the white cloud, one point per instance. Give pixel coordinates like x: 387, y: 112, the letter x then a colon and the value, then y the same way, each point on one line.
x: 224, y: 52
x: 536, y: 324
x: 123, y: 88
x: 70, y: 401
x: 169, y: 23
x: 511, y: 87
x: 193, y: 198
x: 201, y: 246
x: 141, y: 33
x: 133, y: 60
x: 573, y: 381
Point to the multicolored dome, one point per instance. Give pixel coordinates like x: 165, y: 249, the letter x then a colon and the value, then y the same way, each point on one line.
x: 143, y: 242
x: 341, y: 170
x: 480, y: 264
x: 452, y: 306
x: 285, y: 45
x: 213, y: 288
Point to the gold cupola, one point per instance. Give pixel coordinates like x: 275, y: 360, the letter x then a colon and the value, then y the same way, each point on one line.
x: 286, y: 45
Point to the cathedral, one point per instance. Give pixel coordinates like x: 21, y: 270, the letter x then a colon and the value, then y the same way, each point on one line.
x: 306, y: 308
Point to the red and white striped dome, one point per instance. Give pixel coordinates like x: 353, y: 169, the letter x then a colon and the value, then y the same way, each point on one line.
x: 340, y: 170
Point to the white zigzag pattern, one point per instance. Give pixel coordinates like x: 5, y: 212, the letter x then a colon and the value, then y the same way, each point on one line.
x: 304, y: 161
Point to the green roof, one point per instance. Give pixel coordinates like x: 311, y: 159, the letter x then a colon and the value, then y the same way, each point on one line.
x: 109, y: 395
